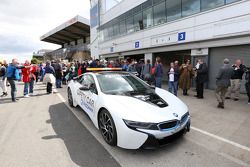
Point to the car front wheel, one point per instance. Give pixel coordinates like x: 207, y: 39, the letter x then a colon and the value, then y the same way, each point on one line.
x: 70, y: 97
x: 107, y: 127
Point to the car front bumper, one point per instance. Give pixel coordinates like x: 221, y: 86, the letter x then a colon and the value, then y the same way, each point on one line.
x: 153, y: 141
x: 147, y: 139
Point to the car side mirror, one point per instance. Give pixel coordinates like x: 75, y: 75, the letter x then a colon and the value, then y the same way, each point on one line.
x: 85, y: 88
x: 152, y: 87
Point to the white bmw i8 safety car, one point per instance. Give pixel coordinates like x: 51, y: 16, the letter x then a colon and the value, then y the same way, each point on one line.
x: 128, y: 112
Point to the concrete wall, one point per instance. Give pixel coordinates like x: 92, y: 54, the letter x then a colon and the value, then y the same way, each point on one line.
x: 80, y: 56
x: 232, y: 20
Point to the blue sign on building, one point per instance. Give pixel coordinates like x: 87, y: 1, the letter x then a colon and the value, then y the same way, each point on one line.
x: 137, y: 44
x: 182, y: 36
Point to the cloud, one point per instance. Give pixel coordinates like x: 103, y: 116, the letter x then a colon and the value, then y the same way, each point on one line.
x: 24, y: 21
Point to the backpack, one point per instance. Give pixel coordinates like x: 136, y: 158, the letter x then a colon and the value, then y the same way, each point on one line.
x: 17, y: 75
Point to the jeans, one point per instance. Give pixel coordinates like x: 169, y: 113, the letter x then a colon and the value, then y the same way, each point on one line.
x: 13, y: 89
x: 172, y: 87
x: 58, y: 83
x: 158, y: 82
x: 42, y: 76
x: 28, y: 87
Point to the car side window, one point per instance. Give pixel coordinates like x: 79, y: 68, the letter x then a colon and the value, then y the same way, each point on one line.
x: 88, y: 80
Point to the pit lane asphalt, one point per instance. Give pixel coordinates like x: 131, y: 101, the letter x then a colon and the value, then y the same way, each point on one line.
x: 41, y: 131
x: 40, y: 135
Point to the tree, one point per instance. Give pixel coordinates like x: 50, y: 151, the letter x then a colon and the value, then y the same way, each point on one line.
x: 35, y: 61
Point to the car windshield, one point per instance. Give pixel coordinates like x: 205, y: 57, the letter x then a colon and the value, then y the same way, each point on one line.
x: 121, y: 83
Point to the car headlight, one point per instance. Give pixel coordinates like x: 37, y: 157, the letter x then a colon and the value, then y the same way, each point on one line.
x: 141, y: 125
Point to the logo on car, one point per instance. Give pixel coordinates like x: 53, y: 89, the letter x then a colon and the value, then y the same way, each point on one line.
x: 176, y: 115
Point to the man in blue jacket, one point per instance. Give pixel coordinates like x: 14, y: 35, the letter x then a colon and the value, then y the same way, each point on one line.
x: 12, y: 76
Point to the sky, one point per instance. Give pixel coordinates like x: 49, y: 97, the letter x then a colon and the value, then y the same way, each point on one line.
x: 23, y: 22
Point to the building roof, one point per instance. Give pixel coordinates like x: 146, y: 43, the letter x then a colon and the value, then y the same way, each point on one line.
x: 72, y: 30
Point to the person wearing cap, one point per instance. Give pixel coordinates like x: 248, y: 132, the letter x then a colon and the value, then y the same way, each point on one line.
x: 223, y: 82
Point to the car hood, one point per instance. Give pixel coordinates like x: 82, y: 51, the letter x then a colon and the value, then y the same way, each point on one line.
x: 136, y: 109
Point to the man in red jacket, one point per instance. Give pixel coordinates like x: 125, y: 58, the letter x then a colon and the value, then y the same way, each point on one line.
x: 28, y: 79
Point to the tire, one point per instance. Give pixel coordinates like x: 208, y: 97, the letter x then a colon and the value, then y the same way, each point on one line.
x: 107, y: 127
x: 70, y: 98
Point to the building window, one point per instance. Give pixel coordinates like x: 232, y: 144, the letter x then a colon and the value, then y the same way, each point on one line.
x: 106, y: 35
x: 210, y: 4
x: 190, y: 7
x: 101, y: 35
x: 138, y: 22
x: 130, y: 24
x: 110, y: 32
x: 160, y: 13
x: 122, y: 27
x: 173, y: 10
x: 147, y: 18
x: 231, y: 1
x: 116, y: 29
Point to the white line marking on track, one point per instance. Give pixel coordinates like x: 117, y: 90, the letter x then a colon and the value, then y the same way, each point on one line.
x: 234, y: 160
x: 61, y: 97
x: 198, y: 130
x: 221, y: 139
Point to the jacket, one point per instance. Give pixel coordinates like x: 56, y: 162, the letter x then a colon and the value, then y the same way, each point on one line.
x: 49, y: 69
x: 238, y: 73
x: 3, y: 71
x: 202, y: 73
x: 224, y: 75
x: 28, y: 74
x: 11, y: 71
x: 158, y: 71
x: 146, y: 69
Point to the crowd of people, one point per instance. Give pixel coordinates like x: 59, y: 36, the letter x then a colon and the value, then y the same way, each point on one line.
x: 58, y: 73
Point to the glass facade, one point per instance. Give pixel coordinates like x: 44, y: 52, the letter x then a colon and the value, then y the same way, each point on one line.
x: 211, y: 4
x: 130, y: 24
x: 190, y: 7
x: 173, y: 10
x: 138, y: 24
x: 122, y: 27
x: 148, y: 18
x: 230, y: 1
x: 160, y: 13
x: 155, y: 12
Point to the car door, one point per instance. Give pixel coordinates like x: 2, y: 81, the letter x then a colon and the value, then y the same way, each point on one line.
x: 88, y: 96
